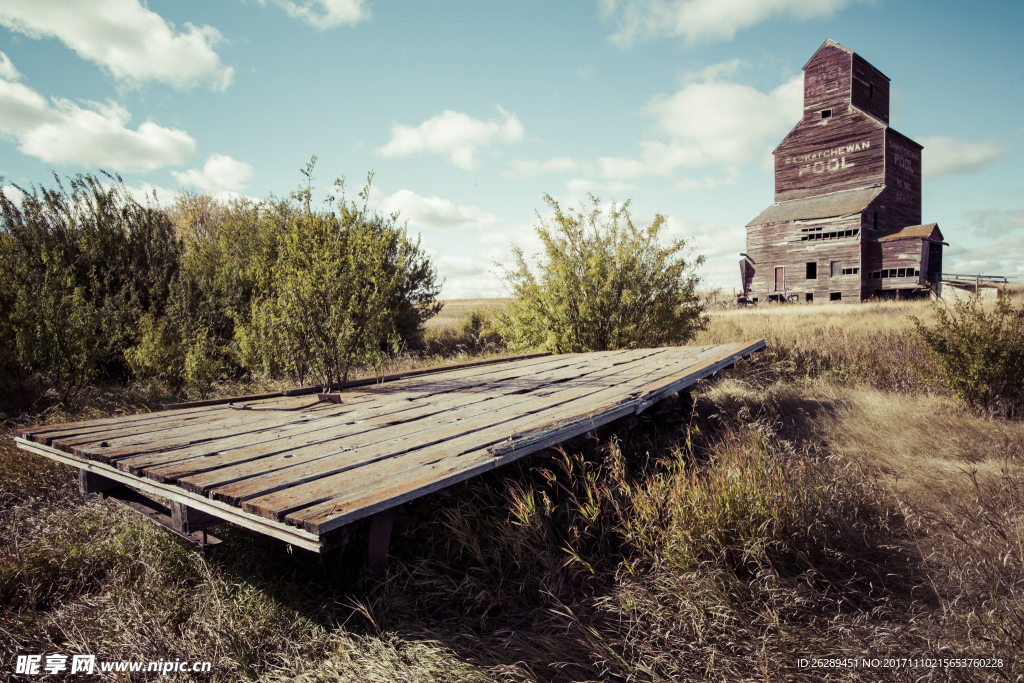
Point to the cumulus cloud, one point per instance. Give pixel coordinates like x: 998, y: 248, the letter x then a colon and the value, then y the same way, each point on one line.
x: 950, y: 156
x: 705, y: 183
x: 1000, y: 257
x: 7, y: 70
x: 133, y: 43
x: 710, y: 123
x: 720, y: 245
x: 430, y: 212
x: 325, y: 14
x: 704, y: 20
x: 62, y: 132
x: 520, y: 169
x: 577, y: 189
x: 220, y: 173
x: 454, y: 135
x: 996, y: 223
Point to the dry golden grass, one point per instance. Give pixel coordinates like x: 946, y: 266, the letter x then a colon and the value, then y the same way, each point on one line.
x: 823, y: 499
x: 456, y: 310
x: 795, y: 322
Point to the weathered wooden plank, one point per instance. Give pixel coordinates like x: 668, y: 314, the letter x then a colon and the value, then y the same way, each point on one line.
x: 414, y: 402
x: 44, y: 433
x: 365, y: 490
x: 105, y: 430
x: 243, y: 463
x: 223, y: 421
x: 89, y: 482
x: 474, y: 433
x: 258, y: 478
x: 284, y: 532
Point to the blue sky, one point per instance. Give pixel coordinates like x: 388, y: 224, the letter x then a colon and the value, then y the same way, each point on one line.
x: 469, y: 112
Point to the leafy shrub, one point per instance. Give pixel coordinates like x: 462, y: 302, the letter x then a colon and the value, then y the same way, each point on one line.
x: 334, y: 293
x: 602, y: 284
x: 201, y: 365
x: 95, y: 287
x: 979, y: 353
x: 82, y: 265
x: 157, y: 354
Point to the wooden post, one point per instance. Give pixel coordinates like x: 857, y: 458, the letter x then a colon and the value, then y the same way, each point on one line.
x: 89, y: 482
x: 186, y: 519
x: 380, y: 539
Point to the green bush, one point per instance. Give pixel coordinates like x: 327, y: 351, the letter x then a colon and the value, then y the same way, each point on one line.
x: 602, y: 284
x: 201, y: 365
x: 96, y: 287
x: 81, y: 266
x: 335, y: 294
x: 979, y: 353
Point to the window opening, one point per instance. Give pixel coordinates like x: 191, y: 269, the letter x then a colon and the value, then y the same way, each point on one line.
x: 835, y: 296
x: 814, y: 234
x: 826, y: 113
x: 871, y: 91
x: 810, y: 297
x: 835, y: 268
x: 812, y: 270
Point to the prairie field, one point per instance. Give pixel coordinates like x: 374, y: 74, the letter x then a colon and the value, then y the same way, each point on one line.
x: 829, y: 498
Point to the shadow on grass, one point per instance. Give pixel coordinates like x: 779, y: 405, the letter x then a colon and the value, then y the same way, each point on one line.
x: 711, y: 535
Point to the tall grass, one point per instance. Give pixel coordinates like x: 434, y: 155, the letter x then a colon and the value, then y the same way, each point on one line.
x: 817, y: 501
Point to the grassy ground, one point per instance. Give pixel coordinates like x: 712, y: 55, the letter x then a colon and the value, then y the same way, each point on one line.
x: 828, y: 498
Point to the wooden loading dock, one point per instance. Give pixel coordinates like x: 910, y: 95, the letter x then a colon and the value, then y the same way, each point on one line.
x: 301, y: 468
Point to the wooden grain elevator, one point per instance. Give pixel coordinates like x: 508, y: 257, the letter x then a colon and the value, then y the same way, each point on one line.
x: 846, y: 221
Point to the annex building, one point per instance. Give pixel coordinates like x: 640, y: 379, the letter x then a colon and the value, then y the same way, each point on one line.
x: 846, y: 222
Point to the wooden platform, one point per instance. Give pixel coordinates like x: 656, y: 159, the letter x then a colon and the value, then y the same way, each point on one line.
x: 299, y: 470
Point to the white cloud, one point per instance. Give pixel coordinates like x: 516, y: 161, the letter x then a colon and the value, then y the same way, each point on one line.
x: 704, y: 20
x: 719, y: 244
x: 430, y: 212
x: 12, y: 193
x: 712, y: 123
x: 577, y: 189
x: 996, y: 223
x: 126, y: 38
x: 528, y: 170
x: 62, y: 132
x: 454, y: 135
x: 325, y: 14
x: 949, y: 156
x: 705, y: 183
x: 1000, y: 257
x: 220, y: 173
x: 460, y: 266
x: 7, y: 70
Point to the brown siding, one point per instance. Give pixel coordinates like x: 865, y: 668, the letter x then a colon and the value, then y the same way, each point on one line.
x: 826, y: 82
x: 844, y: 152
x: 873, y: 100
x: 904, y: 253
x: 902, y: 179
x: 780, y: 245
x: 851, y: 148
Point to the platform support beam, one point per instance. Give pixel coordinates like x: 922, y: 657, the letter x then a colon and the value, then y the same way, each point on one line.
x: 186, y: 519
x: 90, y: 482
x: 380, y: 539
